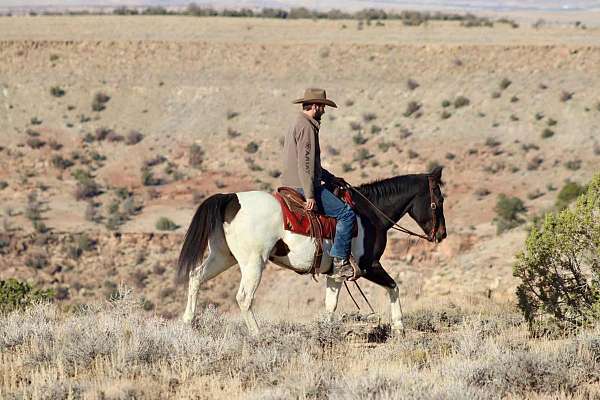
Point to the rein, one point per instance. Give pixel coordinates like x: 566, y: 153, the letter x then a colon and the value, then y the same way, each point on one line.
x: 398, y: 227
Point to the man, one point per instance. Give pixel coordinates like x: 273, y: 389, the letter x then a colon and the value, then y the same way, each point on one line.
x: 302, y: 170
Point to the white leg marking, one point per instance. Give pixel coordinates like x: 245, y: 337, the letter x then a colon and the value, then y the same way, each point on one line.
x: 332, y: 293
x: 251, y: 274
x: 218, y: 260
x: 396, y: 316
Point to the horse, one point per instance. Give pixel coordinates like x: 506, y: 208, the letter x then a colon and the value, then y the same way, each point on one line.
x: 247, y: 228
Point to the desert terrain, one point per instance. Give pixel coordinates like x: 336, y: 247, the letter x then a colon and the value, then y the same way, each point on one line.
x: 152, y: 114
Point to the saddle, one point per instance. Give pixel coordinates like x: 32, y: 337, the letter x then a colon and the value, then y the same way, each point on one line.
x: 298, y: 220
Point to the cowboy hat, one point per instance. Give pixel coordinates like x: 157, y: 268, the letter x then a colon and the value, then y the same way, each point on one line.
x: 316, y: 96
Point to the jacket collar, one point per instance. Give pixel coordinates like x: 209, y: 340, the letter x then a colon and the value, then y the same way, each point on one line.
x: 313, y: 121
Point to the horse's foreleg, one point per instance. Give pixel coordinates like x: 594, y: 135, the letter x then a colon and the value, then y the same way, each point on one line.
x: 378, y: 275
x: 251, y: 273
x: 219, y: 259
x: 332, y: 293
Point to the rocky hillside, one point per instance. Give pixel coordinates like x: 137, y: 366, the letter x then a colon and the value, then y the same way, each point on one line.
x: 110, y: 123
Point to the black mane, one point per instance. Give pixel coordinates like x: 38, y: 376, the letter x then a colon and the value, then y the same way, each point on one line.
x: 387, y: 187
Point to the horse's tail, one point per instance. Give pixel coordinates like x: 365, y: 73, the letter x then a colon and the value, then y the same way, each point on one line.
x: 208, y: 216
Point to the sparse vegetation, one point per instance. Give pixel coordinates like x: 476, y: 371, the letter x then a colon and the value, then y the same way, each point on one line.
x: 566, y: 96
x: 148, y: 178
x: 359, y: 139
x: 99, y: 101
x: 547, y: 133
x: 35, y: 143
x: 411, y: 84
x: 505, y: 83
x: 232, y: 114
x: 461, y: 101
x: 61, y: 163
x: 134, y: 137
x: 251, y: 147
x: 569, y: 192
x: 232, y: 133
x: 18, y: 295
x: 165, y: 224
x: 508, y: 213
x: 57, y: 91
x: 113, y: 137
x: 411, y: 108
x: 573, y: 165
x: 196, y: 155
x: 368, y: 117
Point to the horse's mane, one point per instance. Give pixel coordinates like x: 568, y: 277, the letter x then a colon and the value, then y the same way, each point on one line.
x: 381, y: 188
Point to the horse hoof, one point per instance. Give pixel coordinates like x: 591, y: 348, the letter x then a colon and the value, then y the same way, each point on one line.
x: 398, y: 332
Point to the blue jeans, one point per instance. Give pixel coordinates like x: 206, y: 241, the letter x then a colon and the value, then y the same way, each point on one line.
x: 332, y: 206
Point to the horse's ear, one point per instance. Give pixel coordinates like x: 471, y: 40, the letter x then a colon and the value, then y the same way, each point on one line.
x: 436, y: 173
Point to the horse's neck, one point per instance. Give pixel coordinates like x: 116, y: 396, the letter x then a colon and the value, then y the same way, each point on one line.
x: 395, y: 207
x: 395, y: 204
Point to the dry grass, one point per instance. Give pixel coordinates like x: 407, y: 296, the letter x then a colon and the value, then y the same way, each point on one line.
x: 116, y: 351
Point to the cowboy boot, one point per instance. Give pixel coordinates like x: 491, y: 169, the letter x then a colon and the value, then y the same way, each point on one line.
x: 342, y: 269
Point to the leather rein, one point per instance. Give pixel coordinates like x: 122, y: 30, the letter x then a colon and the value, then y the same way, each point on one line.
x: 398, y: 227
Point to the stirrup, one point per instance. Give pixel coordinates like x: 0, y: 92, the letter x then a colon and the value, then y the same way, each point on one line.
x: 357, y: 271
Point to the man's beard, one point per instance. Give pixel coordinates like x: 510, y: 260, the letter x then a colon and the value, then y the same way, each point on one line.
x: 318, y: 115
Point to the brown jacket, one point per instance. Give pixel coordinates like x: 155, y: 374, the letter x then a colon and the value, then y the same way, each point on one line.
x: 302, y: 156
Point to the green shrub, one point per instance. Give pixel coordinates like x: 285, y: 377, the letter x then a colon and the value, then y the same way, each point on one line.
x: 567, y: 194
x: 560, y: 267
x: 505, y: 83
x: 461, y: 101
x: 57, y: 91
x: 17, y: 295
x: 411, y: 108
x: 411, y: 84
x: 148, y: 178
x: 368, y: 117
x: 446, y: 103
x: 566, y: 96
x: 35, y: 143
x: 508, y: 210
x: 134, y: 137
x: 362, y: 154
x: 165, y: 224
x: 196, y: 156
x: 547, y: 133
x: 99, y: 101
x: 252, y: 147
x: 359, y: 139
x: 573, y: 165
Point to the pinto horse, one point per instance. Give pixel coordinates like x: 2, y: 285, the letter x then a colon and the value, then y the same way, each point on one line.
x: 247, y: 228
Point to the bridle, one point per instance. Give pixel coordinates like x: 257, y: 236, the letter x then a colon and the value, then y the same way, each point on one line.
x: 398, y: 227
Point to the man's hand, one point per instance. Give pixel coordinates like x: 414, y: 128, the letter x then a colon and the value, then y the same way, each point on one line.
x: 310, y: 204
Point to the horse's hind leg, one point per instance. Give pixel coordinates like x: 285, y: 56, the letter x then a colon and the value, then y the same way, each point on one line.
x: 251, y: 273
x: 219, y: 259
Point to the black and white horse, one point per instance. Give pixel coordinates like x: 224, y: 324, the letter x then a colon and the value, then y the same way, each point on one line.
x: 246, y: 228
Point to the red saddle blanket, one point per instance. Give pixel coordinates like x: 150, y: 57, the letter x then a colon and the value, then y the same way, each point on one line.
x: 296, y: 219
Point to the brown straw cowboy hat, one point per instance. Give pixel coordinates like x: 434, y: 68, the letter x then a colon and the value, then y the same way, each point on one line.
x: 316, y: 96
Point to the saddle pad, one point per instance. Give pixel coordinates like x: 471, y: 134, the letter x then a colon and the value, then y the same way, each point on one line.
x: 297, y: 221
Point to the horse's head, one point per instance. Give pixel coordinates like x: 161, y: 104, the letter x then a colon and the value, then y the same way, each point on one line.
x: 427, y: 207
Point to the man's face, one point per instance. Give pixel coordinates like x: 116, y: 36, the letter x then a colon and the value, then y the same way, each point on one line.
x: 319, y: 111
